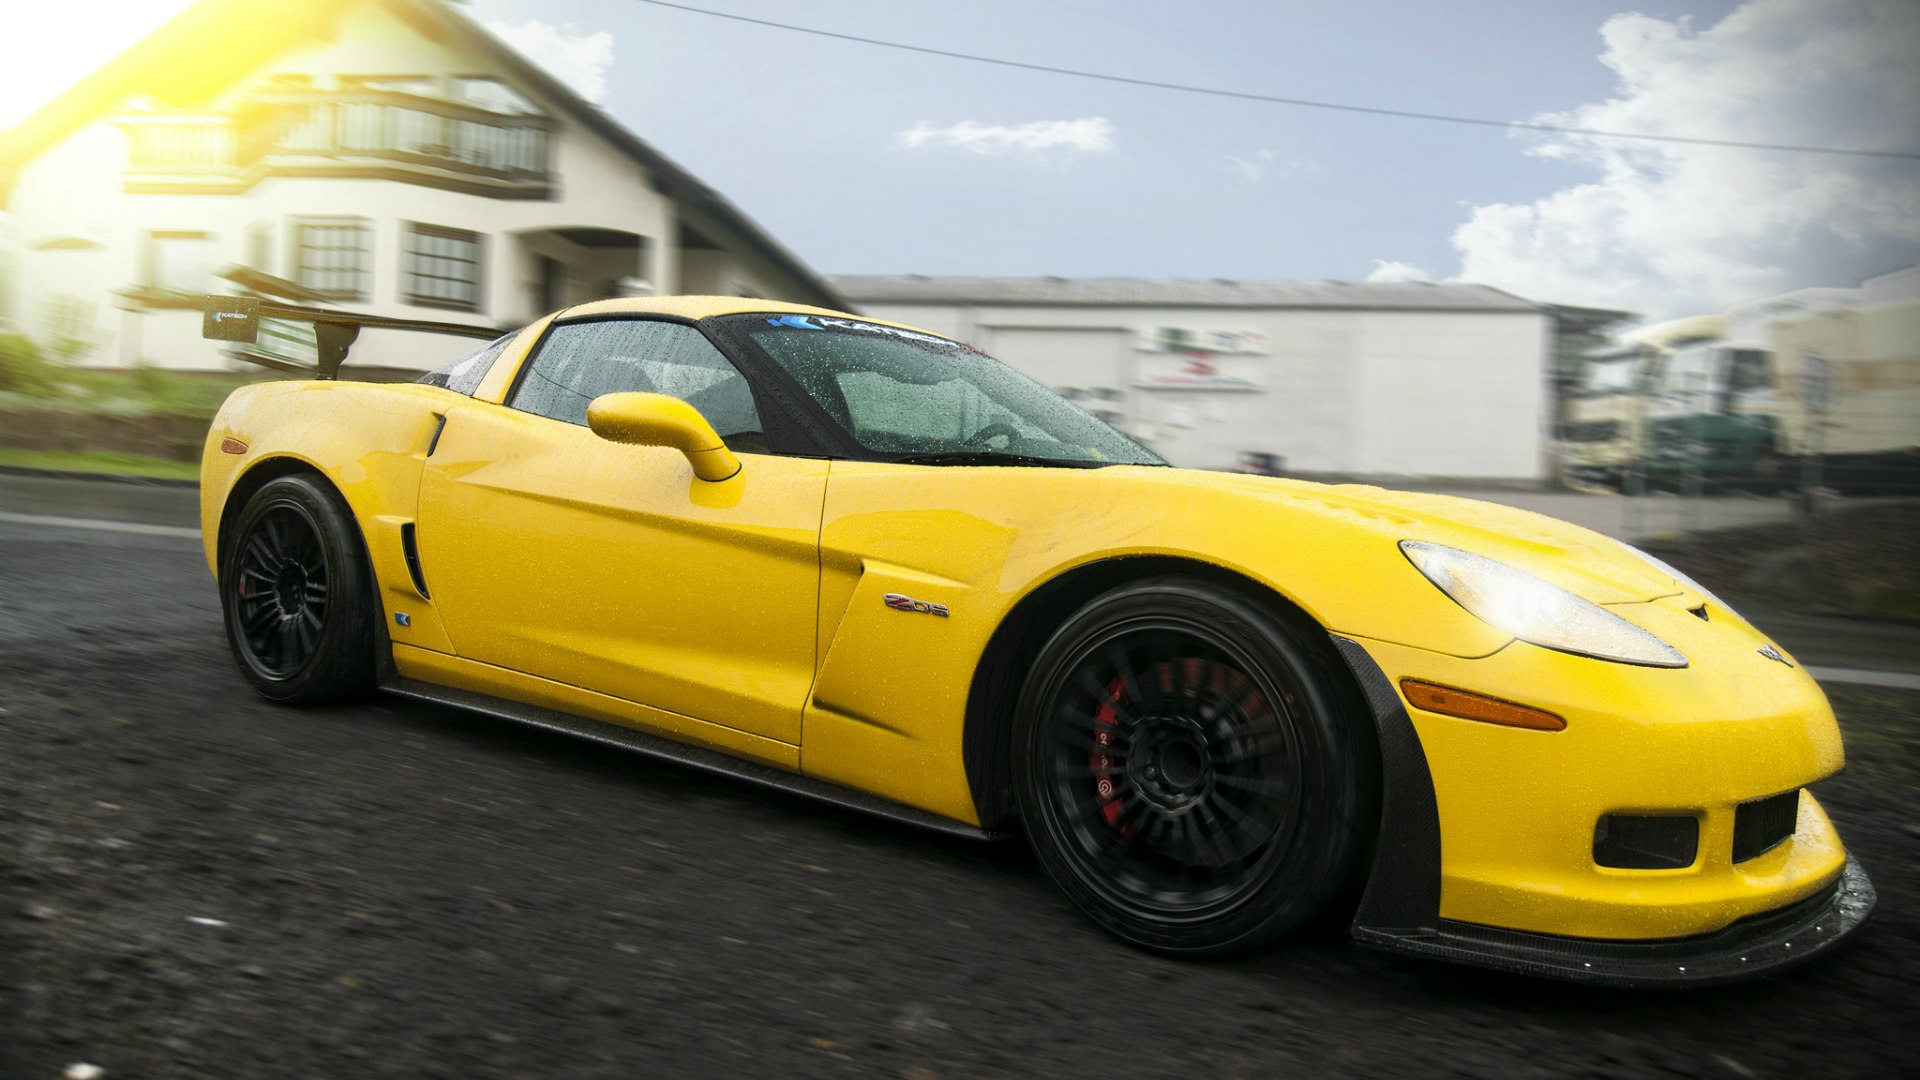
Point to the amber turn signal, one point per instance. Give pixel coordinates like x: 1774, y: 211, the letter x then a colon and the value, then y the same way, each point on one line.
x: 1448, y: 701
x: 231, y: 445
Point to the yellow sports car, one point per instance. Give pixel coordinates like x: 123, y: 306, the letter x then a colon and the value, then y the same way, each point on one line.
x: 864, y: 562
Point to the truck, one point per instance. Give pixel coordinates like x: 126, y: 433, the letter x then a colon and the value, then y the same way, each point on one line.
x: 1819, y: 387
x: 1604, y: 437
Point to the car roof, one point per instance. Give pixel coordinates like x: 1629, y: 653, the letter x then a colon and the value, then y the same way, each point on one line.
x: 702, y: 307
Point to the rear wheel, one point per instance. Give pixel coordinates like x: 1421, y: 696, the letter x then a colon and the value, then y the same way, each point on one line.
x: 297, y: 596
x: 1189, y: 769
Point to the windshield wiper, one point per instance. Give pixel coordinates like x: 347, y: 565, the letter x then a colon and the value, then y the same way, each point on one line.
x: 988, y: 457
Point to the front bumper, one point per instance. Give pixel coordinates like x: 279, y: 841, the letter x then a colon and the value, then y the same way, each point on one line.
x: 1516, y: 810
x: 1594, y: 474
x: 1758, y: 944
x: 1485, y: 844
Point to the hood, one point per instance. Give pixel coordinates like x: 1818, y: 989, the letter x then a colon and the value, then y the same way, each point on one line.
x: 1584, y: 562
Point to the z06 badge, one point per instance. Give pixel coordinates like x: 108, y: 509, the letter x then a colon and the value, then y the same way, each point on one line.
x: 907, y: 603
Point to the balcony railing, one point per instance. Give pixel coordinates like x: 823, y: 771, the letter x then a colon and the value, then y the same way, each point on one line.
x: 287, y: 133
x: 402, y: 127
x: 182, y: 144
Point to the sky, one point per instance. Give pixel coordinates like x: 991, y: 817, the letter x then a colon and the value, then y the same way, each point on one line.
x: 869, y: 160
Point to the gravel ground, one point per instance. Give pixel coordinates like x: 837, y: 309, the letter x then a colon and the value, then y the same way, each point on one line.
x: 194, y: 883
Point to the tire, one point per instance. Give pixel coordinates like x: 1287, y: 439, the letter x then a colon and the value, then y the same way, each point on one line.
x: 297, y: 596
x: 1192, y: 770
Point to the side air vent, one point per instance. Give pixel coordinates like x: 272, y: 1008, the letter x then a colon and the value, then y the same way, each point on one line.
x: 1761, y: 825
x: 1646, y: 842
x: 412, y: 550
x: 1699, y: 612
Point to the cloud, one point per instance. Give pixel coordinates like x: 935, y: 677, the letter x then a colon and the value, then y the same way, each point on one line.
x: 1390, y: 270
x: 1258, y: 165
x: 1668, y: 229
x: 1253, y: 166
x: 1042, y: 139
x: 579, y: 59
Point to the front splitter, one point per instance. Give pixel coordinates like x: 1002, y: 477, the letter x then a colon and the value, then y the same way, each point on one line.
x: 1756, y: 945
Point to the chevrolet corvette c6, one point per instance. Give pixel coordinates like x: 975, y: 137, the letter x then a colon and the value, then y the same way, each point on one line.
x: 872, y: 564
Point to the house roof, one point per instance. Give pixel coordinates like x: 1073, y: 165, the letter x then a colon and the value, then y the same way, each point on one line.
x: 1585, y: 320
x: 1177, y: 292
x: 209, y: 45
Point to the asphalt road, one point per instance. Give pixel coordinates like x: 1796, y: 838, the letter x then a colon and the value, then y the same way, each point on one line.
x: 194, y: 883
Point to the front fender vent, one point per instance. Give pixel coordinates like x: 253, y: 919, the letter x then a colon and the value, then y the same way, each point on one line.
x: 412, y: 550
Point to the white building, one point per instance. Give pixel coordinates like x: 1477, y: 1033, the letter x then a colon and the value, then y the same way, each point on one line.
x: 1406, y: 380
x: 389, y: 155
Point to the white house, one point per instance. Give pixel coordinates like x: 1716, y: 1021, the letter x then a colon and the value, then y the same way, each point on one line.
x: 1406, y: 379
x: 389, y: 155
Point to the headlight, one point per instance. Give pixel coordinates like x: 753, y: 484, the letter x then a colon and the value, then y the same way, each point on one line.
x: 1515, y: 602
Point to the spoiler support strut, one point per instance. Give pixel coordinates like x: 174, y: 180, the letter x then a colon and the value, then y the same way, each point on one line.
x: 237, y: 318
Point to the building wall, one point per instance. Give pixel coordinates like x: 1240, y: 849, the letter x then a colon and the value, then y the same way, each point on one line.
x: 1387, y: 393
x: 713, y: 272
x: 953, y: 321
x: 733, y: 269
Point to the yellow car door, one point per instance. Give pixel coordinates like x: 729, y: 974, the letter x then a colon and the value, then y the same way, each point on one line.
x: 555, y: 553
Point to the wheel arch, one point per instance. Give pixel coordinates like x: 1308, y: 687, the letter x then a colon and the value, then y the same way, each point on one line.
x: 265, y: 471
x: 997, y: 680
x: 259, y: 475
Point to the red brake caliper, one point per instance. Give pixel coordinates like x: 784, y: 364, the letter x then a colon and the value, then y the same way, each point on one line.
x: 1105, y: 723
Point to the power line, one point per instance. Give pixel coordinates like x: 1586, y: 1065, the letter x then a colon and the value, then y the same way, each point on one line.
x: 1304, y: 103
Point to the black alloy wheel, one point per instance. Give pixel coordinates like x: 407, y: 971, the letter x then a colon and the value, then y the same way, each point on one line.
x: 1191, y: 771
x: 280, y: 593
x: 297, y: 596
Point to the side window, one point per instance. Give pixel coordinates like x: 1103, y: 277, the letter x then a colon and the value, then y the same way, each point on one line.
x: 580, y: 361
x: 464, y: 373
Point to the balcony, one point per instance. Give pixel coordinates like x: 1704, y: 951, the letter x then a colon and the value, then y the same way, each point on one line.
x: 365, y: 134
x: 182, y: 144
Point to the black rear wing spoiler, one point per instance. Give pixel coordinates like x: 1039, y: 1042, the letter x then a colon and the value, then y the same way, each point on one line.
x: 237, y: 319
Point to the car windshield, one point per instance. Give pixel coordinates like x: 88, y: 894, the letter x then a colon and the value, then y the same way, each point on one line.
x: 908, y: 396
x: 1609, y: 375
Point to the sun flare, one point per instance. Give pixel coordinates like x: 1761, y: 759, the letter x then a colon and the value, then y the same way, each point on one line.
x: 46, y: 48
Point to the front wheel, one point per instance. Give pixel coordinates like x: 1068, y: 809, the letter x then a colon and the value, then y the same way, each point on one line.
x: 297, y: 596
x: 1191, y: 770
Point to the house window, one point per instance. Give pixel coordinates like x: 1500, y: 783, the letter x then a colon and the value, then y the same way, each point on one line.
x: 179, y: 262
x: 442, y: 267
x: 334, y: 257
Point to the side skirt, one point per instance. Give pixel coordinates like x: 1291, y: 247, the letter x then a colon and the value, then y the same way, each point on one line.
x: 692, y: 757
